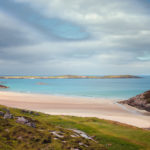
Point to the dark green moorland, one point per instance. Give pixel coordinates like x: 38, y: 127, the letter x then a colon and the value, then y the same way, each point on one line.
x: 51, y: 132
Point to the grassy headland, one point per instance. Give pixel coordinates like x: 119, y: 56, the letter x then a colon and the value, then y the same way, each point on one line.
x: 55, y: 133
x: 69, y: 77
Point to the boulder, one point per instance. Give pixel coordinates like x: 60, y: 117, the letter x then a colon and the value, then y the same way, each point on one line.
x: 25, y: 121
x: 7, y: 115
x: 82, y: 134
x: 21, y: 120
x: 31, y: 124
x: 58, y: 134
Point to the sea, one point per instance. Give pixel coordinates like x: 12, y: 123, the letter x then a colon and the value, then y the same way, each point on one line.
x: 95, y: 88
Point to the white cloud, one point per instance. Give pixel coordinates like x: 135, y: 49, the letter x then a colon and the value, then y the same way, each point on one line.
x: 100, y: 18
x: 119, y: 30
x: 12, y: 29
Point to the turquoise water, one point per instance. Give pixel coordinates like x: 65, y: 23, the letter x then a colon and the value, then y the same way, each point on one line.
x: 105, y: 88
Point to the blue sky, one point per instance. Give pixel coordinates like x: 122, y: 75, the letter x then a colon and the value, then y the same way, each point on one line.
x: 53, y: 37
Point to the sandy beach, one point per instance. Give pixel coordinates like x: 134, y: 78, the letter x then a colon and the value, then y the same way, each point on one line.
x: 77, y: 106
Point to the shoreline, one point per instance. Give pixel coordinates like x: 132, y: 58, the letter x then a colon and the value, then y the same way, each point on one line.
x: 76, y: 106
x: 115, y: 99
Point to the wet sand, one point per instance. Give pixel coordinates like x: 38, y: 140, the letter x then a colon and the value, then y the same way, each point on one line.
x: 77, y: 106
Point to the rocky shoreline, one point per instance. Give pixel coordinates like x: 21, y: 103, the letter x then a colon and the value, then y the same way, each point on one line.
x: 3, y: 87
x: 141, y: 101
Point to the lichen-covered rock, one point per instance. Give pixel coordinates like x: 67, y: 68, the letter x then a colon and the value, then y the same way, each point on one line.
x: 25, y: 121
x: 82, y: 134
x: 31, y: 124
x: 57, y: 134
x: 7, y: 115
x: 21, y: 120
x: 141, y: 101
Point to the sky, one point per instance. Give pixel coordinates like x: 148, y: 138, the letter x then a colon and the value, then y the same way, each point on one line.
x: 80, y: 37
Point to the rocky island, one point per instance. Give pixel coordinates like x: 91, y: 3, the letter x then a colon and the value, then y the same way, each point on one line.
x: 141, y: 101
x: 3, y: 87
x: 70, y: 77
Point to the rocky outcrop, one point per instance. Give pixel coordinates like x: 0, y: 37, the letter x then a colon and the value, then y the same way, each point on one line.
x: 82, y: 134
x: 3, y: 87
x: 7, y: 115
x: 141, y: 101
x: 21, y: 120
x: 25, y: 121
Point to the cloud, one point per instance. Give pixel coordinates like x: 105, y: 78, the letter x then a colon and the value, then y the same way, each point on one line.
x: 51, y: 28
x: 98, y: 36
x: 15, y: 33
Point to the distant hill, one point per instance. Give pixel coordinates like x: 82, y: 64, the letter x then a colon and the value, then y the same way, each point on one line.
x: 70, y: 77
x: 141, y: 101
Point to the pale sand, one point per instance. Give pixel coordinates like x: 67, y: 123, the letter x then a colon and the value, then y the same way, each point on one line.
x: 75, y: 106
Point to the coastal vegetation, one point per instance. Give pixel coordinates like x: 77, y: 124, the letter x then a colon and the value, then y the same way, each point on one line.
x: 69, y: 77
x: 23, y: 129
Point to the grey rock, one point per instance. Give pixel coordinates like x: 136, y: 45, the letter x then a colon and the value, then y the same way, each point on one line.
x: 21, y: 120
x: 20, y: 138
x: 31, y: 124
x: 7, y: 115
x: 1, y: 113
x: 64, y: 141
x: 25, y: 121
x: 82, y: 134
x: 74, y: 135
x: 57, y: 134
x: 81, y: 144
x: 7, y: 130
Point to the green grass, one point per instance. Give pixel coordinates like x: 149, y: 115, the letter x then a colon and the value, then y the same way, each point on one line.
x: 108, y: 134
